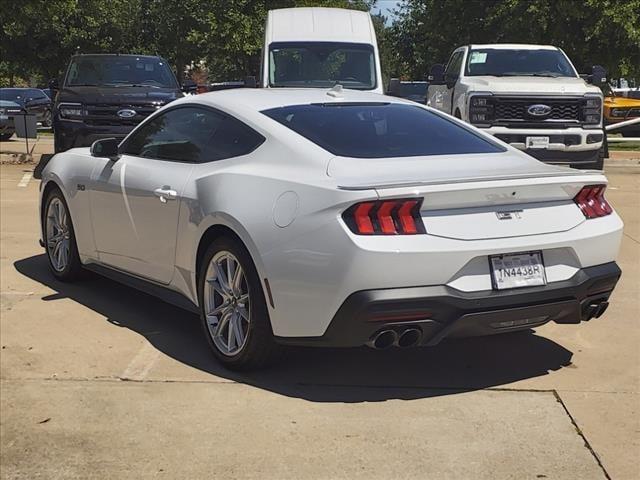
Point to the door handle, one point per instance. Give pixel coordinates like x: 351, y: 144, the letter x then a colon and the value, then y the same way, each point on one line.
x: 165, y: 193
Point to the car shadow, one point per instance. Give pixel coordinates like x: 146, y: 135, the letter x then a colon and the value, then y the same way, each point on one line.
x: 318, y: 374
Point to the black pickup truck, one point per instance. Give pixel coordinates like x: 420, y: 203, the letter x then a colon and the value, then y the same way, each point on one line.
x: 107, y: 95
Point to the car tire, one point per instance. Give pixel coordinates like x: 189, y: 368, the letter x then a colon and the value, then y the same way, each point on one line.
x: 254, y: 346
x: 59, y: 238
x: 46, y: 119
x: 6, y: 136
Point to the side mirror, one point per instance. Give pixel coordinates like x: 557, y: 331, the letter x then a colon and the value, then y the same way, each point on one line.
x: 598, y: 75
x: 189, y: 86
x: 436, y: 74
x: 54, y: 84
x: 250, y: 82
x: 395, y: 87
x: 105, y: 148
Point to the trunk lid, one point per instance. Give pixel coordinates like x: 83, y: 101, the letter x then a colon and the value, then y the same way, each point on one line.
x: 475, y: 197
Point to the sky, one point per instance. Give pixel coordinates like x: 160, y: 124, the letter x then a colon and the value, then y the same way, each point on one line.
x: 385, y: 6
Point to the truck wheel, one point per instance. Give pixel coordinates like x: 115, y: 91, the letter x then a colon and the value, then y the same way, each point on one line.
x: 458, y: 115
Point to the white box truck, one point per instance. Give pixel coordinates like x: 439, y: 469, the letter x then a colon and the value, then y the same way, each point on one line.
x: 319, y: 48
x: 529, y: 96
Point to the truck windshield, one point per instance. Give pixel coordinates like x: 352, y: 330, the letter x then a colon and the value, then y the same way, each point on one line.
x: 119, y: 71
x: 321, y: 65
x: 515, y: 63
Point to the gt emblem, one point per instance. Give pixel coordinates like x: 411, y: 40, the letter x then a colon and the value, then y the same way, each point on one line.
x: 509, y: 215
x: 539, y: 110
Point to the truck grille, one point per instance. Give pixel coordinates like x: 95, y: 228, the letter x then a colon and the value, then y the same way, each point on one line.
x: 509, y: 109
x: 107, y: 114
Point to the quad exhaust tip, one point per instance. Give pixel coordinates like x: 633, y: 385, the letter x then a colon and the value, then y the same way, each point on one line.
x: 384, y: 339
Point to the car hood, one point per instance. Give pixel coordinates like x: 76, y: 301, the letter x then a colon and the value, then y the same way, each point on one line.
x: 621, y: 102
x: 9, y: 104
x: 530, y: 85
x: 118, y: 95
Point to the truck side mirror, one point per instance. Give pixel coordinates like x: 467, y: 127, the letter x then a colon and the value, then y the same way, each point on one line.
x: 436, y: 74
x: 598, y: 75
x: 394, y: 87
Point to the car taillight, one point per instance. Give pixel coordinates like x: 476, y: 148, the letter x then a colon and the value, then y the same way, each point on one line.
x: 386, y: 217
x: 592, y: 202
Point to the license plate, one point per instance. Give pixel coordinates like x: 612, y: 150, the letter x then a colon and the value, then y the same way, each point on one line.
x: 537, y: 142
x: 517, y: 270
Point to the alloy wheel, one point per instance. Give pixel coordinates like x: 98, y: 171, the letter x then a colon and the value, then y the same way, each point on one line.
x: 227, y: 303
x: 58, y: 234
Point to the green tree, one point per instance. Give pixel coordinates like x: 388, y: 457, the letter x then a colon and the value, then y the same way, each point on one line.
x: 38, y: 37
x: 605, y: 32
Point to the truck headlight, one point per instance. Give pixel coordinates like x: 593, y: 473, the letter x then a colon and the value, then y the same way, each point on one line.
x: 71, y: 110
x: 480, y: 110
x: 592, y: 110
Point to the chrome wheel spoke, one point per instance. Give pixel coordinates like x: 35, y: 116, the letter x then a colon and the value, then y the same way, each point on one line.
x: 226, y: 304
x: 243, y: 312
x: 57, y: 234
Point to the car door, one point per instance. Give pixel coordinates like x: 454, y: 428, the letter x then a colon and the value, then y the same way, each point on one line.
x: 135, y: 201
x: 441, y: 95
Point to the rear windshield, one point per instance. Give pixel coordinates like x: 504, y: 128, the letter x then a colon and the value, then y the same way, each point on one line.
x: 380, y: 130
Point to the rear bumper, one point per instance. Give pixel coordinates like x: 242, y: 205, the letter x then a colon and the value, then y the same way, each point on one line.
x: 441, y: 311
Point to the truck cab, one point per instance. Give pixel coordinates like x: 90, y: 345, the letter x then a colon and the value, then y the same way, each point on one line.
x: 107, y: 95
x: 529, y: 96
x: 319, y: 48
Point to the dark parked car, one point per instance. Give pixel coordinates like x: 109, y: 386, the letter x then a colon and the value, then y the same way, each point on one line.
x: 33, y: 100
x: 8, y: 110
x: 108, y: 95
x: 414, y: 91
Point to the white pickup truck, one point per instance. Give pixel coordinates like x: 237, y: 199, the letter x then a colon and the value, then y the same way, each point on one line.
x: 529, y: 96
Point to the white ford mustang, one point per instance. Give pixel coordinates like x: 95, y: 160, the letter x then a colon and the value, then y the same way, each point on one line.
x: 334, y: 218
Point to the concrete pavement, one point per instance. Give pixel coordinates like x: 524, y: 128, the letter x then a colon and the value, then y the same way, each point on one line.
x: 100, y: 381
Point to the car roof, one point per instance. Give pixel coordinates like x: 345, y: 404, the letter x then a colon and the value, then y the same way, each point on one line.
x: 259, y: 99
x: 114, y: 55
x: 319, y: 24
x: 514, y: 46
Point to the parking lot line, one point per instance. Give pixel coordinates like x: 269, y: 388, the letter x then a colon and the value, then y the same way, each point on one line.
x: 25, y: 179
x: 141, y: 364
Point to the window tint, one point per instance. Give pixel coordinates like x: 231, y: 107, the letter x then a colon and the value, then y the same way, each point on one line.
x: 454, y: 65
x: 321, y: 64
x: 192, y: 134
x: 511, y: 63
x: 379, y: 130
x: 119, y: 70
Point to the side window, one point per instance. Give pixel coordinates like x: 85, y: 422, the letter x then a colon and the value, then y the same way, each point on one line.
x: 192, y: 134
x: 454, y: 65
